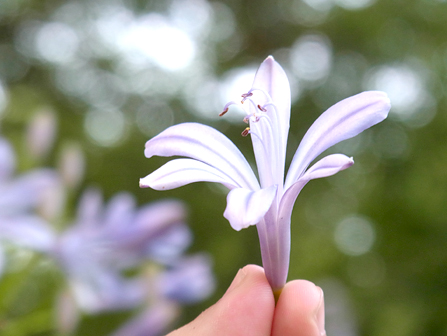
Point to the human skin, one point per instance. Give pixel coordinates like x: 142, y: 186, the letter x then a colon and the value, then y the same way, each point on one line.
x: 248, y: 309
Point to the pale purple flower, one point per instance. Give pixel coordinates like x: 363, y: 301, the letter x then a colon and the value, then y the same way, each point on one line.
x: 41, y: 133
x: 268, y: 204
x: 152, y: 321
x: 20, y: 194
x: 186, y: 280
x: 108, y: 239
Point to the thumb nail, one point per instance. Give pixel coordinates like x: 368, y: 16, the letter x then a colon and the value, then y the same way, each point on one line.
x: 319, y: 313
x: 238, y: 279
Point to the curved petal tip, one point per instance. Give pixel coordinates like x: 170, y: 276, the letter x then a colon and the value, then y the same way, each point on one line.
x: 246, y: 207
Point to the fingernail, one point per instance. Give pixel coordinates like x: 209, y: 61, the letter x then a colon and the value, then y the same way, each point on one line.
x: 319, y: 314
x: 238, y: 279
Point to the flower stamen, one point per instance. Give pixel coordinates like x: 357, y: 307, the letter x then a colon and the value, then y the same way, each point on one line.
x: 263, y: 109
x: 226, y: 107
x: 223, y: 112
x: 246, y: 95
x: 245, y: 132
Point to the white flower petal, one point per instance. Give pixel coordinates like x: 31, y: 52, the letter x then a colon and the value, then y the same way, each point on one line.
x: 342, y: 121
x: 179, y: 172
x: 271, y: 78
x: 205, y: 144
x: 246, y: 207
x: 327, y: 166
x: 269, y: 133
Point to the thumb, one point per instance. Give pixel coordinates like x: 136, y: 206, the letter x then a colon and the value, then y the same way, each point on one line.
x: 246, y: 309
x: 300, y: 310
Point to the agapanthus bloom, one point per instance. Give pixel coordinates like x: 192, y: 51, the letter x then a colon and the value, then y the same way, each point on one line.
x: 106, y: 240
x: 20, y: 194
x: 266, y: 203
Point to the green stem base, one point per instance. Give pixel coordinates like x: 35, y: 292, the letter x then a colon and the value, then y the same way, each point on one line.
x: 276, y: 294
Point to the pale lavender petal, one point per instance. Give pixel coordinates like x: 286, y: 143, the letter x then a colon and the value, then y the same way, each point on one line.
x: 159, y: 215
x: 269, y: 133
x: 342, y: 121
x: 41, y: 133
x: 72, y: 164
x: 179, y: 172
x: 92, y: 267
x: 67, y: 313
x: 274, y: 240
x: 327, y: 166
x: 90, y: 208
x: 162, y: 230
x: 271, y: 78
x: 27, y: 191
x: 170, y: 244
x: 28, y: 231
x: 189, y: 280
x: 153, y: 321
x: 205, y: 144
x: 97, y: 290
x: 246, y: 207
x: 7, y: 160
x: 156, y: 231
x: 119, y: 212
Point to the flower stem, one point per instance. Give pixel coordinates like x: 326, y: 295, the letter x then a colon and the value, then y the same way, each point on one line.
x: 277, y: 293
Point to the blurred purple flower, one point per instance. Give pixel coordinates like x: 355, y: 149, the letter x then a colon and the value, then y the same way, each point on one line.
x: 21, y: 195
x: 41, y: 133
x: 20, y: 198
x: 268, y: 203
x: 151, y: 321
x: 108, y: 239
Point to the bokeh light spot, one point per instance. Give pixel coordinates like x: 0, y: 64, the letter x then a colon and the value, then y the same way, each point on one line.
x: 105, y: 127
x: 354, y: 235
x: 354, y: 4
x: 153, y: 38
x: 311, y: 58
x: 151, y: 119
x: 191, y: 16
x: 405, y: 86
x: 367, y: 270
x: 56, y: 42
x: 321, y: 5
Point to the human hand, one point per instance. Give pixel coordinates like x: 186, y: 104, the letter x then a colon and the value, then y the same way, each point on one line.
x: 248, y: 309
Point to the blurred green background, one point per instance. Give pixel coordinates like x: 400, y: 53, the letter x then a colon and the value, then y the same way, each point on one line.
x: 117, y: 72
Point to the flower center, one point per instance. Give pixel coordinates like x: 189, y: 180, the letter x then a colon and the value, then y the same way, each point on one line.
x: 262, y: 115
x: 253, y: 111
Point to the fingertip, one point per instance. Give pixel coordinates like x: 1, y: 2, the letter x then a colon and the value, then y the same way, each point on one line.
x: 300, y: 310
x: 255, y: 275
x: 246, y: 308
x: 248, y: 304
